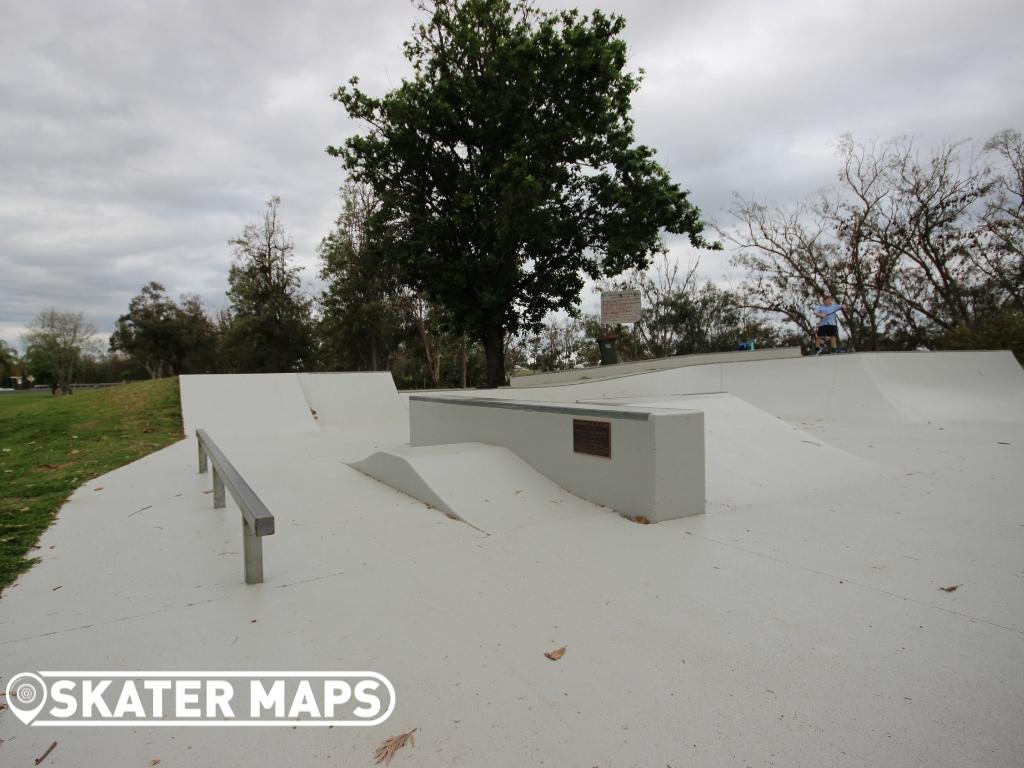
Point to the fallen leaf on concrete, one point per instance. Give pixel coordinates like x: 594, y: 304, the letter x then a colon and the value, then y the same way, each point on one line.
x: 98, y: 488
x: 209, y: 491
x: 154, y: 761
x: 57, y: 587
x: 641, y: 520
x: 952, y: 588
x: 556, y: 654
x: 387, y: 750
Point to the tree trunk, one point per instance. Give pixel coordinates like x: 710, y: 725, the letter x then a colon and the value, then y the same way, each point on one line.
x: 462, y: 362
x: 374, y: 358
x: 494, y: 352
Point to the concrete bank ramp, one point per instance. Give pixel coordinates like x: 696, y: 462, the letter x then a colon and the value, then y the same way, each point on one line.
x: 246, y: 404
x: 980, y: 387
x: 350, y: 399
x: 486, y: 486
x: 288, y: 403
x: 984, y: 387
x: 753, y: 457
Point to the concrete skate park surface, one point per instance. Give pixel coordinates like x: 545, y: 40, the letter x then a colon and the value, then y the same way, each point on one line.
x: 798, y: 623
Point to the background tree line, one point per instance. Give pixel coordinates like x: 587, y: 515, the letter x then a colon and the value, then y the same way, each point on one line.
x: 924, y: 246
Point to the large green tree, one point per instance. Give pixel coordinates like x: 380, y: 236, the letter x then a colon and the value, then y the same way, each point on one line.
x: 360, y: 307
x: 267, y: 327
x: 148, y: 331
x: 163, y: 336
x: 506, y: 165
x: 54, y: 343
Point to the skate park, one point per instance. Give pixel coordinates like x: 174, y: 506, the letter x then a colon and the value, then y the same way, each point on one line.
x: 789, y: 608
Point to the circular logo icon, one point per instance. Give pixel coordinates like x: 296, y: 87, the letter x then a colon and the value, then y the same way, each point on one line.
x: 26, y: 695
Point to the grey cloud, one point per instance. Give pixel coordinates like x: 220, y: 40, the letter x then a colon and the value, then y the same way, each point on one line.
x: 137, y: 138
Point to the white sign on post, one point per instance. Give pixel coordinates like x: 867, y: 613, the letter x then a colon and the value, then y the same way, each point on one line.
x: 620, y: 307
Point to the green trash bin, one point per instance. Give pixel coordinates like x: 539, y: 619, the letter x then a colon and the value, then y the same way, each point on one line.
x: 606, y: 346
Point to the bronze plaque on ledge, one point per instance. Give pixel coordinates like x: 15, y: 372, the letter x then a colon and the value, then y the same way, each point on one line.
x: 593, y: 437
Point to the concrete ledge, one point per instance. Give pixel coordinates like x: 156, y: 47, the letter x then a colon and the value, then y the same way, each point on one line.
x: 577, y: 375
x: 655, y: 462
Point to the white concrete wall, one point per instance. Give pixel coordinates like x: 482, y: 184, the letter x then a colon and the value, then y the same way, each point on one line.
x: 656, y: 468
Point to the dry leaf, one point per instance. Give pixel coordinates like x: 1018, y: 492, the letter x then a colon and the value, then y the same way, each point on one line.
x: 640, y: 519
x: 951, y: 588
x: 154, y: 761
x: 47, y: 752
x: 98, y: 488
x: 387, y: 750
x: 556, y: 654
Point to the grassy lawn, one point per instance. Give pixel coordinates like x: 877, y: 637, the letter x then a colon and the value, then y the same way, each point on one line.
x: 51, y: 445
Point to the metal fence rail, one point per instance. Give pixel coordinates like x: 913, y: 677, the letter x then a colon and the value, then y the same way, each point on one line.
x: 257, y: 520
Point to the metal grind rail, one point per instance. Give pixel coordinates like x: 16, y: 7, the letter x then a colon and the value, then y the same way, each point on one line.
x: 257, y: 520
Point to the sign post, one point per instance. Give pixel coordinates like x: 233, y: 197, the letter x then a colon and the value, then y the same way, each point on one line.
x: 621, y: 307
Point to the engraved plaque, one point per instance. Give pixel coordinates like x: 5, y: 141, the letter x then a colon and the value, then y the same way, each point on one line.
x: 592, y: 437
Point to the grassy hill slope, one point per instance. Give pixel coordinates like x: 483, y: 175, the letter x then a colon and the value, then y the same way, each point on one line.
x: 49, y: 446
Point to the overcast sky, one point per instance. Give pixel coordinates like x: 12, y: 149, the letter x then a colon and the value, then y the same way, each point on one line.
x: 136, y: 138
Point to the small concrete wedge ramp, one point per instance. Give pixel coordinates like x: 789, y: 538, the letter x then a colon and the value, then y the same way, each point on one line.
x: 485, y: 486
